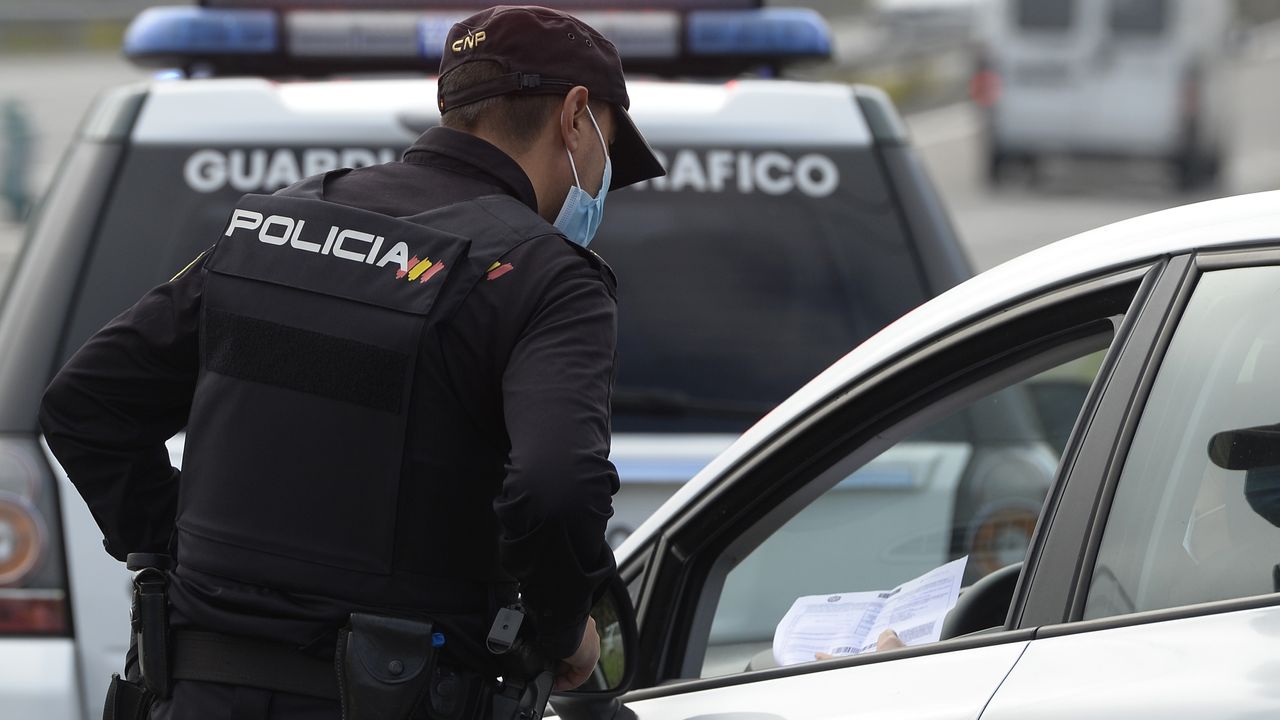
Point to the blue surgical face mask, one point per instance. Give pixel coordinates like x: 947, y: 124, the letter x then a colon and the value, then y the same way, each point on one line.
x: 581, y: 214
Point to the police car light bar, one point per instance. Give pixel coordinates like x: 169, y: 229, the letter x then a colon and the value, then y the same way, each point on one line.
x: 772, y: 32
x: 272, y: 42
x: 177, y: 32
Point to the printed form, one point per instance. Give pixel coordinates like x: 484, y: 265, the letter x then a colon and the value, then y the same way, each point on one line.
x: 849, y: 623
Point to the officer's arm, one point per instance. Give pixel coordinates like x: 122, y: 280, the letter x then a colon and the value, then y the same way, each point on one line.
x: 109, y: 411
x: 557, y: 496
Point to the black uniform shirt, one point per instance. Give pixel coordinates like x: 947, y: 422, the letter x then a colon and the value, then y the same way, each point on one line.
x: 526, y: 364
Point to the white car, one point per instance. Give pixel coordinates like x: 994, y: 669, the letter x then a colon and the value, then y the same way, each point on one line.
x: 1150, y: 586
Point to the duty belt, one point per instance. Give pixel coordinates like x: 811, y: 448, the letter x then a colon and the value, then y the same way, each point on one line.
x: 212, y: 657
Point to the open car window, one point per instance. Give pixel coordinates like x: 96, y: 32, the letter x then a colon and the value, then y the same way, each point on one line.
x: 968, y: 487
x: 949, y: 455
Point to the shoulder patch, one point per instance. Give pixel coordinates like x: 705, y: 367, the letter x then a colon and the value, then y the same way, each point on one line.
x: 498, y: 269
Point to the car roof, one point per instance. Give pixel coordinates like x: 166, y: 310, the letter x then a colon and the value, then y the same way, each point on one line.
x: 1216, y: 223
x: 263, y: 112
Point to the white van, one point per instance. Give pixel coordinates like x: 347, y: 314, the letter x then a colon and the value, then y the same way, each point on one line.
x: 1108, y: 78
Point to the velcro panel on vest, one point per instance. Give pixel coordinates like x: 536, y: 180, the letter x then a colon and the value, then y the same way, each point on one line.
x: 310, y: 362
x: 313, y: 314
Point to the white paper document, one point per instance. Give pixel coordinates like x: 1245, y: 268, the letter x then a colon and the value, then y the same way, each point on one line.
x: 849, y: 623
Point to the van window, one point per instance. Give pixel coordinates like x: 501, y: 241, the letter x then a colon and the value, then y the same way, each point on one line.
x: 742, y: 274
x: 1138, y: 17
x: 1045, y: 15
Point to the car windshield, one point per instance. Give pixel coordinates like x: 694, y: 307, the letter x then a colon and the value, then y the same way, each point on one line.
x: 741, y: 275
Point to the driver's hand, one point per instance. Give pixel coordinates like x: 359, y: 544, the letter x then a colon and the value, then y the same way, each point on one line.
x: 575, y: 669
x: 888, y: 640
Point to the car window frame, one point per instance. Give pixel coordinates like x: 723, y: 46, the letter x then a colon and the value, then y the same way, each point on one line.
x: 697, y: 538
x: 1107, y: 463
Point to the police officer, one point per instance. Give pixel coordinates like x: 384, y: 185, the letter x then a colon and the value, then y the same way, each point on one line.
x: 395, y: 382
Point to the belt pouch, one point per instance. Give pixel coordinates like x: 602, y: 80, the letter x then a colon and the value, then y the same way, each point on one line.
x: 384, y: 667
x: 127, y: 700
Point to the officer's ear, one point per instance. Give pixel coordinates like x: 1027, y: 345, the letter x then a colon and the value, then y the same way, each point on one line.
x: 573, y: 117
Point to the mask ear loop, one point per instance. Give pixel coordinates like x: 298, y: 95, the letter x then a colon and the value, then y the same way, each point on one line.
x: 599, y: 134
x: 572, y: 164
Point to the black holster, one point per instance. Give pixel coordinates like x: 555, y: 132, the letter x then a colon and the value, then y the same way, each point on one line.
x: 149, y: 619
x: 385, y: 666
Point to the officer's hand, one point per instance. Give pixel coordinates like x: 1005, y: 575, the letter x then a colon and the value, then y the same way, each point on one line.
x: 575, y: 669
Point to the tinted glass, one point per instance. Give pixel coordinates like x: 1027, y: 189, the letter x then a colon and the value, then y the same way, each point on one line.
x: 1184, y: 529
x: 1045, y: 14
x: 742, y: 275
x: 1139, y: 17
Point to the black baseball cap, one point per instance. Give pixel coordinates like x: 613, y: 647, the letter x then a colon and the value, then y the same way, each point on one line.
x: 548, y: 52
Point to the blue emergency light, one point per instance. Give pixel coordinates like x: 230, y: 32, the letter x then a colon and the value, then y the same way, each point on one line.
x: 663, y: 37
x: 770, y: 32
x: 184, y: 31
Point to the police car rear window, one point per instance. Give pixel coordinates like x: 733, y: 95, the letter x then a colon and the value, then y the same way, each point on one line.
x: 742, y: 274
x: 1045, y: 15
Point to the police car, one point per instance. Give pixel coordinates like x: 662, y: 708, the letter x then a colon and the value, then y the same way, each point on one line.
x: 1151, y: 588
x: 794, y: 222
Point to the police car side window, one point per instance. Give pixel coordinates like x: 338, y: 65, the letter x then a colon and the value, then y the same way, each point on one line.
x: 970, y: 485
x: 1196, y: 516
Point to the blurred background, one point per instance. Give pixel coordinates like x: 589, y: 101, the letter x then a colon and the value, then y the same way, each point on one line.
x: 1024, y: 110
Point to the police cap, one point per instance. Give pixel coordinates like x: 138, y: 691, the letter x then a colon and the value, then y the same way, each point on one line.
x: 545, y: 51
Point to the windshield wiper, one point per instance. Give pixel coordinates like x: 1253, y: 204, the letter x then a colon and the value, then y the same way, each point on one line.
x: 670, y: 402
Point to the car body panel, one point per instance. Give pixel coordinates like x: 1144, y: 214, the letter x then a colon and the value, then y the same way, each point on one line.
x: 40, y: 680
x: 1218, y: 665
x: 948, y: 686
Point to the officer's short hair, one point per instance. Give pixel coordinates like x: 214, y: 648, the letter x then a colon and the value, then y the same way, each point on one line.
x: 518, y: 118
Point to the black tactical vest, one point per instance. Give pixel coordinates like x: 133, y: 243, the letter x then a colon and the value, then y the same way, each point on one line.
x: 312, y: 321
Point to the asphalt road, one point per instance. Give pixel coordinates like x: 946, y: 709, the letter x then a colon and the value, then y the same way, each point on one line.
x: 1069, y: 197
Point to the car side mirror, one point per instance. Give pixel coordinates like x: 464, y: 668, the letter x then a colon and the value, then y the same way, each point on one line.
x: 1246, y: 448
x: 597, y: 698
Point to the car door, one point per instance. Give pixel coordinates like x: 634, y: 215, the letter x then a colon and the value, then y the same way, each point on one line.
x: 791, y: 520
x: 1172, y: 610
